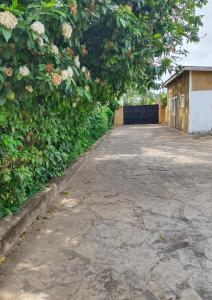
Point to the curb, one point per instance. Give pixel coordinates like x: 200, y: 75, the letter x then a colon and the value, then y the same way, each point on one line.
x: 13, y: 227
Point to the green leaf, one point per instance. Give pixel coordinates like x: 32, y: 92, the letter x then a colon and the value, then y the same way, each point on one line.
x: 1, y: 78
x: 34, y: 35
x: 45, y: 37
x: 3, y: 121
x: 6, y: 33
x: 123, y: 23
x: 6, y: 177
x: 7, y: 53
x: 180, y: 30
x: 48, y: 5
x: 157, y: 36
x: 14, y: 4
x: 3, y: 101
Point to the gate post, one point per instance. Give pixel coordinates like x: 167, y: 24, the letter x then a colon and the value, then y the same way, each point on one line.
x: 119, y: 117
x: 162, y: 111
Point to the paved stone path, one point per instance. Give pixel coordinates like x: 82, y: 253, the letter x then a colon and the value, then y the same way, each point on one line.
x: 135, y: 224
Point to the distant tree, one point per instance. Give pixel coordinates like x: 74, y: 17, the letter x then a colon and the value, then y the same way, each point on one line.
x: 162, y: 97
x: 134, y: 97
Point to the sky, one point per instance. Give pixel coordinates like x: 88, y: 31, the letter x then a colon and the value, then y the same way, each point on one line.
x: 201, y: 54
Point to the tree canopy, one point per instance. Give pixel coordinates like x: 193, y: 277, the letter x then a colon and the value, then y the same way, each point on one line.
x: 121, y: 43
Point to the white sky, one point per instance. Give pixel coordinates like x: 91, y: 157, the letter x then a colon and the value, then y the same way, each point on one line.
x: 201, y: 54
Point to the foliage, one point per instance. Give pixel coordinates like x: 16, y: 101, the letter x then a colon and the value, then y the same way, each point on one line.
x: 120, y: 42
x: 61, y: 61
x: 134, y: 97
x: 33, y: 151
x: 163, y: 98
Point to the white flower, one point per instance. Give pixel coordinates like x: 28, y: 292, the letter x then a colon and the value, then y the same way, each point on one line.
x: 40, y: 41
x: 67, y: 30
x: 54, y: 49
x: 76, y: 61
x: 66, y: 74
x: 38, y: 27
x: 8, y: 72
x: 84, y: 69
x: 115, y: 7
x: 74, y: 104
x: 29, y: 88
x: 70, y: 72
x: 87, y: 88
x: 87, y: 75
x: 24, y: 71
x: 97, y: 80
x: 8, y: 20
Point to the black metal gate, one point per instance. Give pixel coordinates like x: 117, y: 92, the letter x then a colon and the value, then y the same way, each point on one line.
x: 142, y: 114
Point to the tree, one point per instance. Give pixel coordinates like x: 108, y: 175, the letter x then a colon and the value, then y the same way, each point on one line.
x: 135, y: 42
x: 122, y: 43
x: 134, y: 97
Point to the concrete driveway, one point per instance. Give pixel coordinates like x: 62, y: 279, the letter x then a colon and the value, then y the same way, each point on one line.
x: 135, y: 224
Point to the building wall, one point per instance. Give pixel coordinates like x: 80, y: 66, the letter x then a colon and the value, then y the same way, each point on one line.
x: 201, y: 81
x: 178, y: 87
x: 200, y: 112
x: 200, y: 116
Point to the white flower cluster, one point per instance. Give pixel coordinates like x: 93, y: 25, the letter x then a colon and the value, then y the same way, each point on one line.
x: 38, y: 27
x: 97, y: 81
x: 8, y: 72
x: 8, y: 20
x: 67, y: 30
x: 54, y: 49
x: 86, y: 72
x: 115, y: 7
x: 24, y: 71
x: 29, y: 88
x: 56, y: 79
x: 67, y: 74
x: 84, y: 69
x: 77, y: 61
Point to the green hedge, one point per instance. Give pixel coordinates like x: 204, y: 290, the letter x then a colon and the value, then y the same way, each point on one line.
x: 38, y: 141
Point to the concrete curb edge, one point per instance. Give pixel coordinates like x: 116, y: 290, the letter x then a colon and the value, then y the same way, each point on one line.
x: 13, y: 227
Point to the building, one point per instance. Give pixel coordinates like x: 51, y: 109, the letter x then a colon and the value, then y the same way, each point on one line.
x: 189, y: 105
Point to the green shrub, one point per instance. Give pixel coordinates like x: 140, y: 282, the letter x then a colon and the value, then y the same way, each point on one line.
x: 37, y: 142
x: 100, y: 123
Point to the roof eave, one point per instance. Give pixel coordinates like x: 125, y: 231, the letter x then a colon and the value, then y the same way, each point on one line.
x: 173, y: 77
x: 187, y: 68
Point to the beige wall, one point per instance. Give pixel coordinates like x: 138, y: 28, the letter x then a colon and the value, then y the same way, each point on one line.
x: 176, y: 88
x: 119, y: 117
x: 201, y: 81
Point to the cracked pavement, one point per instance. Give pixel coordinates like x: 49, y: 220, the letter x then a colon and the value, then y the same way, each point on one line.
x: 136, y: 223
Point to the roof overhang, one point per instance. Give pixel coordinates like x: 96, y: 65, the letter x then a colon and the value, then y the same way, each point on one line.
x: 187, y: 68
